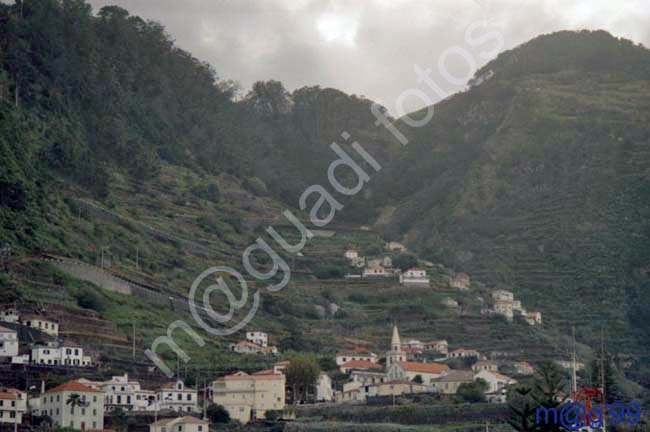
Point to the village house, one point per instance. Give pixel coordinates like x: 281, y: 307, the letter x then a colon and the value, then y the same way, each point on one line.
x: 13, y: 404
x: 567, y: 364
x: 375, y: 272
x: 361, y: 378
x: 359, y: 365
x: 41, y: 323
x: 449, y: 383
x: 356, y: 354
x: 258, y: 338
x: 504, y: 308
x: 439, y: 346
x: 464, y: 353
x: 533, y: 318
x: 351, y: 254
x: 74, y: 405
x: 410, y: 370
x: 485, y: 365
x: 502, y: 295
x: 246, y: 347
x: 248, y: 397
x: 10, y: 315
x: 389, y: 388
x: 414, y: 276
x: 180, y: 424
x: 65, y: 353
x: 460, y: 281
x: 8, y: 342
x: 413, y: 344
x: 450, y: 302
x: 516, y: 306
x: 523, y: 368
x: 395, y: 247
x: 120, y: 392
x: 177, y: 396
x: 496, y: 381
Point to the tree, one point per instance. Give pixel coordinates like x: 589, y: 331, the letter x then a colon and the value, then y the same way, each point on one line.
x: 217, y: 414
x: 118, y: 419
x: 273, y: 415
x: 302, y: 374
x: 405, y: 261
x: 473, y: 392
x: 548, y: 386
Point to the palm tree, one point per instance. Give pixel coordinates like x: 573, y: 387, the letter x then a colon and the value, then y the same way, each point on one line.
x: 75, y: 400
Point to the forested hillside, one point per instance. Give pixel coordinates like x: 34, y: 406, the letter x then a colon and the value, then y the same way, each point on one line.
x: 538, y: 180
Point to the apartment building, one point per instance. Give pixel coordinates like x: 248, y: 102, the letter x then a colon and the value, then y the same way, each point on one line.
x: 13, y: 404
x: 248, y: 397
x: 178, y: 397
x: 74, y: 405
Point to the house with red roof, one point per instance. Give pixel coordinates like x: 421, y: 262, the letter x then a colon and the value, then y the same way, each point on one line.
x: 13, y: 404
x: 74, y: 405
x: 356, y: 354
x: 359, y: 365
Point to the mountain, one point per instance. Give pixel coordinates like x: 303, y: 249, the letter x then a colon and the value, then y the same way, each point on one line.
x: 126, y: 158
x: 537, y: 179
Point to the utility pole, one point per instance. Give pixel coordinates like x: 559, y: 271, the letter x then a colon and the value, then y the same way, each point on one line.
x: 137, y: 257
x: 133, y: 339
x: 205, y: 399
x: 602, y: 374
x: 574, y: 379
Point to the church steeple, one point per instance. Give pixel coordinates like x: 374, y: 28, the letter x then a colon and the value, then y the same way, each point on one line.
x: 395, y: 355
x: 395, y: 343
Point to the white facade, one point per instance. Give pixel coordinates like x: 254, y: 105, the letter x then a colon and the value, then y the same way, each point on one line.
x: 176, y: 396
x: 8, y: 342
x: 357, y: 354
x: 120, y: 392
x: 395, y: 246
x: 180, y: 424
x: 87, y: 413
x: 258, y: 338
x: 64, y: 355
x: 496, y: 381
x: 533, y: 318
x: 324, y: 390
x: 464, y: 353
x: 375, y: 271
x: 10, y: 315
x: 351, y: 254
x: 41, y: 323
x: 13, y: 404
x: 414, y: 277
x: 502, y: 295
x: 440, y: 346
x: 504, y: 308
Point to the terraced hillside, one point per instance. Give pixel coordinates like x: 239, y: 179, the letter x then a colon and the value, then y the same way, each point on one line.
x: 537, y: 180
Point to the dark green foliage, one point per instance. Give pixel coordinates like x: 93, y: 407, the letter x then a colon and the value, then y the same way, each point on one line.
x: 418, y: 379
x: 405, y: 261
x: 613, y: 391
x: 273, y: 415
x: 89, y: 299
x: 217, y: 414
x: 302, y: 375
x: 472, y: 392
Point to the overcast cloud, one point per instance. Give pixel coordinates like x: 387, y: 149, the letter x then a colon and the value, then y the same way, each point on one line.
x: 369, y: 47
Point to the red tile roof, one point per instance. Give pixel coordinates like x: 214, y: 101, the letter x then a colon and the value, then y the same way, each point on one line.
x: 361, y: 364
x: 6, y: 395
x: 432, y: 368
x: 73, y: 386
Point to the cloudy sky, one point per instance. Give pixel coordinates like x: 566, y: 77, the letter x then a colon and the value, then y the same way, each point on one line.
x: 370, y: 47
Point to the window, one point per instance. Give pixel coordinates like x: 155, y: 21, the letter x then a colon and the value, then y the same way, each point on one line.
x: 179, y: 397
x: 83, y: 411
x: 94, y: 411
x: 180, y: 428
x: 189, y: 396
x: 94, y: 425
x: 200, y: 428
x: 58, y: 398
x: 94, y: 398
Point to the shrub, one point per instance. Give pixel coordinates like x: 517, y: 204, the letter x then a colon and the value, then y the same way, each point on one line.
x: 89, y: 299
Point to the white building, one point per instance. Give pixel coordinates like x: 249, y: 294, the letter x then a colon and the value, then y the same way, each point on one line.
x: 13, y: 404
x: 450, y: 302
x: 533, y: 318
x: 180, y: 424
x: 246, y: 347
x: 324, y: 390
x: 460, y: 281
x: 120, y: 392
x: 258, y: 338
x: 502, y: 295
x: 10, y: 315
x: 395, y: 246
x: 64, y: 354
x: 485, y: 365
x: 464, y: 353
x: 351, y: 254
x: 414, y: 276
x: 356, y: 354
x: 413, y: 344
x: 41, y: 323
x: 440, y: 346
x: 8, y: 342
x: 496, y: 381
x: 176, y: 396
x: 74, y: 405
x: 504, y: 308
x: 249, y: 397
x: 375, y: 271
x: 408, y: 371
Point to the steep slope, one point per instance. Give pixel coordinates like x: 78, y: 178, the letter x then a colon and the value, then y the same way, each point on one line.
x: 537, y: 180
